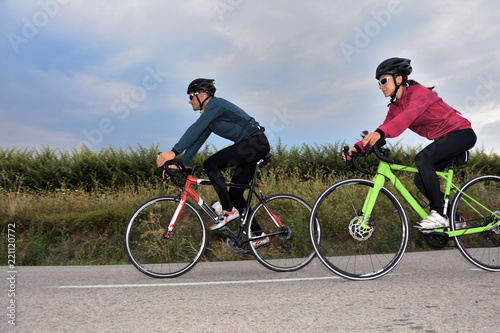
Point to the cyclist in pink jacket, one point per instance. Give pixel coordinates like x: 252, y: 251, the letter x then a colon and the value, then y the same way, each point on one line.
x: 419, y: 108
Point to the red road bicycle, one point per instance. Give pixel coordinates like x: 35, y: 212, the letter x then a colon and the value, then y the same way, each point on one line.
x: 167, y: 236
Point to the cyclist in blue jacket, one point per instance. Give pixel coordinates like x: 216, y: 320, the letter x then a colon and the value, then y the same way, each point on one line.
x: 227, y: 120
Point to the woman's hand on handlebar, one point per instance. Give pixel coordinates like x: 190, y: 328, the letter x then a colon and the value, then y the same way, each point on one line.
x: 371, y: 138
x: 347, y: 156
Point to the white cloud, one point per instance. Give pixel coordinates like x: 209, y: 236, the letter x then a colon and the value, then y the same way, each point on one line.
x: 267, y: 56
x: 17, y: 134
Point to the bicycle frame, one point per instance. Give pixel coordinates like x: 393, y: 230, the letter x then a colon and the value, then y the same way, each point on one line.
x: 385, y: 172
x: 187, y: 191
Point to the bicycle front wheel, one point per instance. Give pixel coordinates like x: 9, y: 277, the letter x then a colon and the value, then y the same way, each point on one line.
x: 477, y: 205
x: 288, y: 248
x: 344, y: 244
x: 156, y: 256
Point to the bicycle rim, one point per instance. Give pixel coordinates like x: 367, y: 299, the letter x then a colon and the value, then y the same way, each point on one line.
x: 156, y: 256
x: 345, y: 248
x: 481, y: 249
x: 290, y: 249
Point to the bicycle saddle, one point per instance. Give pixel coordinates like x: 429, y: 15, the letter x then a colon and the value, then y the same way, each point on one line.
x: 462, y: 158
x: 263, y: 162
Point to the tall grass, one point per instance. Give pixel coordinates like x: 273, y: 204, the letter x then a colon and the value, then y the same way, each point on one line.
x: 70, y: 207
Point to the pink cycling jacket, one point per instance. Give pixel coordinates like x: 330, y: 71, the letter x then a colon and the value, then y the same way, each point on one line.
x: 423, y: 112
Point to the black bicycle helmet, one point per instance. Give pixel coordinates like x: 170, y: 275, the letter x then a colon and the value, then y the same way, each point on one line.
x: 207, y: 85
x: 393, y: 66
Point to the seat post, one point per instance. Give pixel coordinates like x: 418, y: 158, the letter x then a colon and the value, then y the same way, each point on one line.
x: 250, y: 193
x: 452, y: 164
x: 255, y: 172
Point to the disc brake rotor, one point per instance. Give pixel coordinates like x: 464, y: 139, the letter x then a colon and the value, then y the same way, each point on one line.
x: 358, y: 230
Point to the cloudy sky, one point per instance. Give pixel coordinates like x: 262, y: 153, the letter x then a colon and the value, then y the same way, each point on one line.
x: 115, y: 72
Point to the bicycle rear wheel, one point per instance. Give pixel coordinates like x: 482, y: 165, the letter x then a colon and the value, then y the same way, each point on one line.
x: 348, y: 249
x: 156, y: 256
x: 289, y: 249
x: 478, y: 204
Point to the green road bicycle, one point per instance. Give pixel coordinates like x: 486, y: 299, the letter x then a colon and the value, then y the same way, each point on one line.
x: 166, y: 236
x: 363, y: 228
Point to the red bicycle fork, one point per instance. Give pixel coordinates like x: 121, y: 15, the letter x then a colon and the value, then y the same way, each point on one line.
x: 187, y: 191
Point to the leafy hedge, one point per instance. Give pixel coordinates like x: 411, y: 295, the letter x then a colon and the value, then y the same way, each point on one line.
x: 49, y: 169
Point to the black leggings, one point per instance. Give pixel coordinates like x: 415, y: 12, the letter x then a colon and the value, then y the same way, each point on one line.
x: 244, y: 156
x: 436, y: 157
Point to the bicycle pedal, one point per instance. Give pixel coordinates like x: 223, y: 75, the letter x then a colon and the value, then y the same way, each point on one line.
x: 226, y: 231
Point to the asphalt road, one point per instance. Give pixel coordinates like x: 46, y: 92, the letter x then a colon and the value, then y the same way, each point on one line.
x: 435, y: 291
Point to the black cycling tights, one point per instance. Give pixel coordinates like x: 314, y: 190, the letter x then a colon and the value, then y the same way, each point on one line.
x: 244, y: 156
x: 436, y: 157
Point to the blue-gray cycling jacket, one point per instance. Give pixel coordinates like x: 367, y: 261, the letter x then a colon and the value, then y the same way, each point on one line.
x: 222, y: 118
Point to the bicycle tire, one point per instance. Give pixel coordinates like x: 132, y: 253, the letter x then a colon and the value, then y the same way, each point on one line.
x: 343, y: 247
x: 156, y: 256
x: 481, y: 249
x: 288, y: 251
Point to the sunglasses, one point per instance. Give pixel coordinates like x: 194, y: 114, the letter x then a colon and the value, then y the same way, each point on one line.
x: 384, y: 81
x: 192, y: 95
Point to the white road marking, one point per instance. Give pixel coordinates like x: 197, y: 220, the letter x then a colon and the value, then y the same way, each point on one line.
x: 208, y: 283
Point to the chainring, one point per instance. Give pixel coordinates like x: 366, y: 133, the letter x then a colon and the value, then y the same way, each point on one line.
x: 235, y: 248
x: 436, y: 240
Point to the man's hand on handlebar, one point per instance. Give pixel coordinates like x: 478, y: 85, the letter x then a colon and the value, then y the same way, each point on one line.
x: 164, y: 158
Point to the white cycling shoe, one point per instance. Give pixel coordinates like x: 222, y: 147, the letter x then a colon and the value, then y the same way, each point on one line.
x: 433, y: 221
x: 224, y: 218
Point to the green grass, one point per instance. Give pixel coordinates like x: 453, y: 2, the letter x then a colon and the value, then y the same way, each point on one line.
x: 79, y: 227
